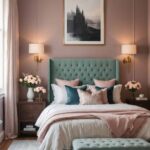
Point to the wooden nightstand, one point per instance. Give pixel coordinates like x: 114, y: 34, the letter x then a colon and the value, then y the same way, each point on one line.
x: 144, y: 104
x: 28, y: 112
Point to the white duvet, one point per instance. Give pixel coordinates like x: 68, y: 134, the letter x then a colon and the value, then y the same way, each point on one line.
x: 61, y: 134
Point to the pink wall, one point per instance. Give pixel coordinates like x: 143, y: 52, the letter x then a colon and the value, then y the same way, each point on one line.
x: 149, y: 47
x: 118, y: 30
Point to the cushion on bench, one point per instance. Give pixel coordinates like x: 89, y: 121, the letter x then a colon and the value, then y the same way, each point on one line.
x: 110, y: 143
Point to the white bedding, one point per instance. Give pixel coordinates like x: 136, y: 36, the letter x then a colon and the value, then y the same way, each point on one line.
x: 61, y: 134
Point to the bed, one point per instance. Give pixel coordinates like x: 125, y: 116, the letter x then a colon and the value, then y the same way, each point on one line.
x: 84, y: 121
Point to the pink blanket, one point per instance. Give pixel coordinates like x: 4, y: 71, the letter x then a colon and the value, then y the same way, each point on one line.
x: 121, y: 123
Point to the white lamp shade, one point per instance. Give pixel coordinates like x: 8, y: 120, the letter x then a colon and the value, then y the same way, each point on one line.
x: 36, y: 48
x: 129, y: 49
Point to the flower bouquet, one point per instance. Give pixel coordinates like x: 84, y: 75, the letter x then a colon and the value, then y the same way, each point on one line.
x: 40, y: 91
x: 31, y: 82
x: 133, y: 86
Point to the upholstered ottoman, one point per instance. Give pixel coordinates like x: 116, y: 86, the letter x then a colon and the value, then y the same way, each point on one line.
x: 110, y: 143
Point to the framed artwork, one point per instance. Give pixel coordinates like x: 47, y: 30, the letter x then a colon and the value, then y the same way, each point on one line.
x: 84, y: 21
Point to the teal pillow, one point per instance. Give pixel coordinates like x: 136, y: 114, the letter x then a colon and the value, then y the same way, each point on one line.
x: 72, y: 94
x: 109, y: 93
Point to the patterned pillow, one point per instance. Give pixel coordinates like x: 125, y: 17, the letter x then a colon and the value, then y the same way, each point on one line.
x: 61, y: 82
x: 106, y: 84
x: 89, y: 98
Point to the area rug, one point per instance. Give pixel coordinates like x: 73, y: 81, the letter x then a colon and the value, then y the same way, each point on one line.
x: 24, y: 145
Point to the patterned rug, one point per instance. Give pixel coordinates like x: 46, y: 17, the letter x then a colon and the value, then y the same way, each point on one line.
x: 24, y: 145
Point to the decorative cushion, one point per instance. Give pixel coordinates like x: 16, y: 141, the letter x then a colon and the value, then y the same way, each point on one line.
x: 106, y: 84
x: 104, y: 93
x: 89, y: 98
x: 109, y: 94
x: 113, y: 93
x: 61, y: 82
x: 72, y: 94
x: 110, y: 143
x: 60, y: 95
x: 117, y: 93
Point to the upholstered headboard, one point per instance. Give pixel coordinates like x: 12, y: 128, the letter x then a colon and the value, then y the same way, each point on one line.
x: 84, y: 69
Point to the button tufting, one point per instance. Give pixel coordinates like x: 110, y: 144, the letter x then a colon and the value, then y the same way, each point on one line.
x: 111, y: 143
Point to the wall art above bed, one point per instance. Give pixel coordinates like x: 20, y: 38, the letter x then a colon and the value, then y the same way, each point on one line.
x: 84, y: 21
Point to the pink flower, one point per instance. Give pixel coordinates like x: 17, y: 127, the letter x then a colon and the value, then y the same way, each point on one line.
x: 40, y: 89
x: 44, y: 90
x: 133, y: 85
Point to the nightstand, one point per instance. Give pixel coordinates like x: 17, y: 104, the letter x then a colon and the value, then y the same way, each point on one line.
x: 28, y: 112
x: 144, y: 104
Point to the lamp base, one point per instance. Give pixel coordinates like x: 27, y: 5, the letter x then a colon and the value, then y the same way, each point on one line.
x: 127, y: 60
x: 38, y: 59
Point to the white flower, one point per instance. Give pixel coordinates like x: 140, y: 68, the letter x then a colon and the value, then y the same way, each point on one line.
x: 30, y: 80
x: 44, y: 90
x: 34, y: 89
x: 34, y: 79
x: 20, y: 80
x: 37, y: 90
x: 26, y: 78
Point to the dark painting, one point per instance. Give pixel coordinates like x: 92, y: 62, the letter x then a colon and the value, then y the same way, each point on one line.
x: 84, y: 22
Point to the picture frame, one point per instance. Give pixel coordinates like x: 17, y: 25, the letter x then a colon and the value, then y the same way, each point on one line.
x: 83, y: 22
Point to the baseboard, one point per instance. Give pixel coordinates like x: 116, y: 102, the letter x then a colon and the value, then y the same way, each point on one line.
x: 1, y: 136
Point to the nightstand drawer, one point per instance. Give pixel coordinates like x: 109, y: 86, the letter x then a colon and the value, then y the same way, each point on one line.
x: 30, y: 112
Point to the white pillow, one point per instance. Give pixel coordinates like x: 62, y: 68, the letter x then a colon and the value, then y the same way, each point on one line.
x: 60, y: 95
x: 117, y: 93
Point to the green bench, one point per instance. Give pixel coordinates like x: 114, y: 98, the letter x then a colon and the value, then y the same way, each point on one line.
x: 110, y: 143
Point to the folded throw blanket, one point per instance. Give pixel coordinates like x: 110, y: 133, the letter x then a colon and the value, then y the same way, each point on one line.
x: 121, y: 123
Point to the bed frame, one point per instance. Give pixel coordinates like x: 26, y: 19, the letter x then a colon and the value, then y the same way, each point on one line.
x: 84, y: 69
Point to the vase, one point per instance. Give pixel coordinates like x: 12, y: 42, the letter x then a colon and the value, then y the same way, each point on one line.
x: 133, y: 96
x: 40, y: 97
x: 30, y: 94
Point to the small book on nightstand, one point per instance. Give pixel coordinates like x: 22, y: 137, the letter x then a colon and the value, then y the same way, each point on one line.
x: 141, y: 98
x: 29, y: 128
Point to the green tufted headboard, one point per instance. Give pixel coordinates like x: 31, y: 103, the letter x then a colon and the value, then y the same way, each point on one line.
x: 84, y: 69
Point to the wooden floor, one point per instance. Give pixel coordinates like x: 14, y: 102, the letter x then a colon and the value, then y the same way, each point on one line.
x: 6, y: 143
